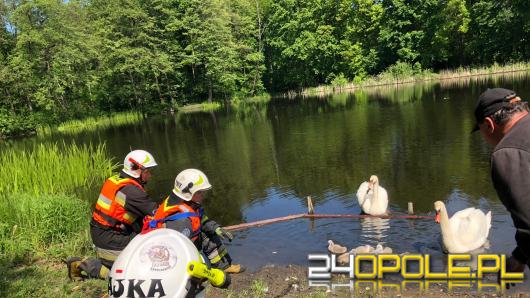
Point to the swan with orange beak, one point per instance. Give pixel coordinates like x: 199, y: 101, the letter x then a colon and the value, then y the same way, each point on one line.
x: 465, y: 231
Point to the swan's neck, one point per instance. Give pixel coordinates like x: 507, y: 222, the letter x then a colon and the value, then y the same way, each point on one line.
x: 447, y: 232
x: 375, y: 197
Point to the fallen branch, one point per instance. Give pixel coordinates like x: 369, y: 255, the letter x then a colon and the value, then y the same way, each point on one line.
x: 305, y: 215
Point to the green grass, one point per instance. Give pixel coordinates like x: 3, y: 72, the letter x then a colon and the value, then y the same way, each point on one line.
x: 320, y: 294
x: 42, y: 278
x: 38, y: 205
x: 92, y: 123
x: 402, y: 73
x: 43, y: 220
x: 258, y: 99
x: 259, y: 288
x: 200, y: 107
x: 51, y: 169
x: 51, y: 226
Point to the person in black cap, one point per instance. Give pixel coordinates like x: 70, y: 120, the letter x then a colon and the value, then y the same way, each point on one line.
x: 504, y: 122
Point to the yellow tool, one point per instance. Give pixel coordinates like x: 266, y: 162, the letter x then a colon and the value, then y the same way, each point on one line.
x: 216, y: 277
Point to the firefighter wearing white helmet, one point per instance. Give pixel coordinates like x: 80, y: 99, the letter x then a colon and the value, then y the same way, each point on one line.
x: 118, y: 215
x: 137, y: 161
x: 190, y: 181
x: 182, y: 211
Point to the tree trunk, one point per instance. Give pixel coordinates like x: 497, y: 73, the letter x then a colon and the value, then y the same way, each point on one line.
x: 10, y: 101
x: 158, y: 90
x: 210, y: 95
x: 136, y: 98
x: 168, y: 87
x: 28, y: 102
x: 261, y: 29
x: 193, y: 61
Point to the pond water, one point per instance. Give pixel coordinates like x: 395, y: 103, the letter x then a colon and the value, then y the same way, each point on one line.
x: 263, y: 160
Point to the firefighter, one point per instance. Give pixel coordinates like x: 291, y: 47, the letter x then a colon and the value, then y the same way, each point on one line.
x: 182, y: 211
x: 118, y: 216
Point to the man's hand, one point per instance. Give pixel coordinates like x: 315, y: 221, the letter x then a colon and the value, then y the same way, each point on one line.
x: 512, y: 265
x: 222, y: 233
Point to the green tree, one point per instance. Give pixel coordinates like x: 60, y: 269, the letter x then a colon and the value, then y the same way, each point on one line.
x: 210, y: 50
x: 359, y: 46
x: 302, y: 47
x: 167, y: 30
x: 451, y: 26
x: 403, y: 32
x: 499, y: 31
x: 247, y: 31
x: 131, y: 62
x: 53, y: 54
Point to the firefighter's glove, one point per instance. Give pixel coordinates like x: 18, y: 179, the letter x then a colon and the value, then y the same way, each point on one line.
x: 222, y: 233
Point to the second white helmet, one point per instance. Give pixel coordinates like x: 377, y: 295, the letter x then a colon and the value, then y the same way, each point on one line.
x: 188, y: 182
x: 136, y: 160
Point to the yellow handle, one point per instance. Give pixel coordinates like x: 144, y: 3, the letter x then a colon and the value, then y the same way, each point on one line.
x: 199, y: 270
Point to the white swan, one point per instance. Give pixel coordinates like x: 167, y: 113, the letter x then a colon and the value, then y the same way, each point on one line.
x: 345, y: 257
x: 465, y: 231
x: 363, y: 249
x: 372, y: 198
x: 336, y: 248
x: 379, y: 249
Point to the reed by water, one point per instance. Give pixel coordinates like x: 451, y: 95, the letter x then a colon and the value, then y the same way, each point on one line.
x: 41, y: 214
x: 403, y: 73
x: 52, y: 169
x: 92, y: 123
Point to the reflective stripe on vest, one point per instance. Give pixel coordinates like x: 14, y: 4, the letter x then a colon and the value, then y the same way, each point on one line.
x: 169, y: 213
x: 110, y: 207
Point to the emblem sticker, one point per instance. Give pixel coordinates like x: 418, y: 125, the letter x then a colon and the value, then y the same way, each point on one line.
x: 160, y: 256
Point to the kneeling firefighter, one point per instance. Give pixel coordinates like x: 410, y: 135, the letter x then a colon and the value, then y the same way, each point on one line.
x: 162, y: 263
x: 118, y: 216
x: 182, y: 211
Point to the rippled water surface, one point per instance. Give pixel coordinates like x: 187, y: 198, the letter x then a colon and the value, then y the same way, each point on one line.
x: 264, y: 160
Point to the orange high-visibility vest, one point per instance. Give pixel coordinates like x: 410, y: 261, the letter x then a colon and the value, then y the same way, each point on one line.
x: 164, y: 213
x: 110, y: 207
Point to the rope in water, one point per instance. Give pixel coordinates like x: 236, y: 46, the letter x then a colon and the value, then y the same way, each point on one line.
x: 306, y: 215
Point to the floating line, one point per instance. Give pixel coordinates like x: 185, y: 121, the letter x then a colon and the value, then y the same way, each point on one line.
x: 305, y: 215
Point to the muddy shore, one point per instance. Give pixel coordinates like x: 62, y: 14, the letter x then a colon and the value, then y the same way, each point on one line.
x: 44, y: 278
x: 291, y: 281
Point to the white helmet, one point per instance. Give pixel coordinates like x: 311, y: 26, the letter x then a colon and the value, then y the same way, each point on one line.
x: 188, y: 182
x: 136, y: 161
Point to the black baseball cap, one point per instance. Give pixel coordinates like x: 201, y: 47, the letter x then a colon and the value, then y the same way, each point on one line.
x: 490, y: 102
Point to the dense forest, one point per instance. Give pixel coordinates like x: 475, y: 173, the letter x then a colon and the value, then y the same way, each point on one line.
x: 68, y: 59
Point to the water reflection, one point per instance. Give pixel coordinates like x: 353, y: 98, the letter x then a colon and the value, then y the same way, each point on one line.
x: 374, y: 230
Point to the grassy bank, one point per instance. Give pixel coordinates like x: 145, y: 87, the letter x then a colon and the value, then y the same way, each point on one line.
x: 91, y: 123
x: 403, y: 73
x: 43, y: 220
x: 200, y: 107
x: 45, y: 278
x: 42, y: 226
x: 52, y: 169
x: 400, y: 73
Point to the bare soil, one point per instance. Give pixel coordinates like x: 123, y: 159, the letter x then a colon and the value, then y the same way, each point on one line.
x: 291, y: 281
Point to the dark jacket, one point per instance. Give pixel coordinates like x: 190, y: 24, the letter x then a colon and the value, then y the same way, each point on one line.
x: 510, y: 172
x: 138, y: 203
